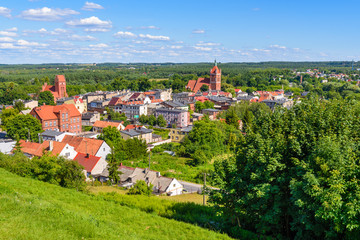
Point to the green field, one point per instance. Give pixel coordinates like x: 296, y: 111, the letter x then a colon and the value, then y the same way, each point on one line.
x: 30, y: 209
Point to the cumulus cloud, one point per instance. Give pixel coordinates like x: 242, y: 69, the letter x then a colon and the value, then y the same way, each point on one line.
x: 149, y: 27
x: 25, y: 43
x: 121, y: 34
x: 8, y: 33
x: 13, y: 29
x: 91, y: 24
x: 90, y: 6
x: 203, y: 48
x: 176, y: 47
x: 207, y: 44
x: 75, y: 37
x: 9, y: 46
x: 157, y: 38
x: 278, y: 46
x: 6, y: 39
x: 5, y: 12
x: 47, y: 14
x: 100, y: 45
x: 198, y: 31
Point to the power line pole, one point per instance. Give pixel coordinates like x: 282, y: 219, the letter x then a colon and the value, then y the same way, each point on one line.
x: 203, y: 191
x: 149, y: 159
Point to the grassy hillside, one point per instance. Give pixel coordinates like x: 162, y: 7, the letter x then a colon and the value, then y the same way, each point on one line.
x: 30, y: 209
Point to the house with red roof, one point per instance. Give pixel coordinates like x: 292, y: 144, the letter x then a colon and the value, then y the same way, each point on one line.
x: 33, y: 149
x: 100, y: 125
x: 96, y: 147
x: 92, y: 165
x: 59, y: 89
x: 63, y: 118
x: 214, y: 82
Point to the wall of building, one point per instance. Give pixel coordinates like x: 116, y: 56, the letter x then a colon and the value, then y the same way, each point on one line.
x: 103, y: 151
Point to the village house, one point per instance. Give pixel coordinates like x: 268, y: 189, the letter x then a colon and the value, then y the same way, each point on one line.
x: 161, y: 185
x: 100, y: 125
x: 96, y: 147
x: 32, y: 149
x: 141, y: 133
x: 93, y: 165
x: 51, y: 135
x: 178, y: 134
x: 63, y: 118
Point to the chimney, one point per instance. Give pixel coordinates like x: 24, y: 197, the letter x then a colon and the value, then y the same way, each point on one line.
x: 158, y: 174
x: 87, y: 155
x: 51, y: 145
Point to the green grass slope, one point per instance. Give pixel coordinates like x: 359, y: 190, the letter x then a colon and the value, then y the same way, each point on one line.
x: 30, y: 209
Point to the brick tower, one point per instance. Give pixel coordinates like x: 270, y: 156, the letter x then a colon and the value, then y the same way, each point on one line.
x: 215, y: 78
x: 60, y: 86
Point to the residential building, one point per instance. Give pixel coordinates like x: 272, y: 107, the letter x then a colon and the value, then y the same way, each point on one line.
x: 212, y: 113
x: 100, y: 125
x: 178, y: 134
x: 63, y: 118
x: 214, y: 82
x: 141, y: 133
x: 93, y: 165
x: 175, y: 105
x: 161, y: 185
x: 32, y: 149
x: 79, y: 103
x: 98, y: 106
x: 30, y: 104
x: 7, y: 145
x: 51, y: 135
x: 180, y: 118
x: 132, y: 110
x: 91, y: 146
x: 59, y: 89
x: 89, y: 118
x: 284, y: 102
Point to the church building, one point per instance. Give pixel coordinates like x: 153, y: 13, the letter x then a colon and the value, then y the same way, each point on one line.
x: 214, y: 82
x: 59, y: 89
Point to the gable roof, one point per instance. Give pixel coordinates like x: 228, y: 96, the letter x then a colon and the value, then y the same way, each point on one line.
x: 215, y: 69
x: 104, y: 124
x: 37, y: 149
x: 87, y: 161
x: 47, y: 112
x: 83, y: 145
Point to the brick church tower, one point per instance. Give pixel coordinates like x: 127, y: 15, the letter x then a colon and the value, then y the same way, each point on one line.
x: 60, y: 86
x: 215, y: 78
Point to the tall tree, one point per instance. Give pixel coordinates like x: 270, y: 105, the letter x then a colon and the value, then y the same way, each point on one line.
x: 24, y: 127
x: 46, y: 98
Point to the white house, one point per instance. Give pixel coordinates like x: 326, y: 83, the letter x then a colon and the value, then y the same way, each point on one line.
x: 92, y: 165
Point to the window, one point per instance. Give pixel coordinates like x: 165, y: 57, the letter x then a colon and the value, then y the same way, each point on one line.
x: 54, y: 123
x: 63, y: 116
x: 70, y: 120
x: 50, y: 123
x: 104, y: 149
x: 66, y: 115
x: 67, y: 126
x: 46, y: 124
x: 174, y: 185
x: 63, y: 125
x: 70, y: 127
x: 78, y: 126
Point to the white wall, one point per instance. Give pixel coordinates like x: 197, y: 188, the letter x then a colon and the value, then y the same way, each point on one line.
x: 103, y: 151
x: 175, y: 188
x: 68, y: 150
x: 99, y: 167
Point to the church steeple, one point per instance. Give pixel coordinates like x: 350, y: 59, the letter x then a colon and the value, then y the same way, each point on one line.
x: 215, y: 78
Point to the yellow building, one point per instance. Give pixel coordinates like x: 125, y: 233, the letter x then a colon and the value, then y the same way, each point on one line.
x: 178, y: 134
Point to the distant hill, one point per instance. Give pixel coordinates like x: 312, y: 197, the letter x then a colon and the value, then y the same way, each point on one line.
x: 30, y: 209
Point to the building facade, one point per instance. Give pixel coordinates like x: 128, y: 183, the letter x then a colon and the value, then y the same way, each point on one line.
x: 180, y: 118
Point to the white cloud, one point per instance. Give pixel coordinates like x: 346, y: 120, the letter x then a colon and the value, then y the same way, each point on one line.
x: 157, y: 38
x: 203, y: 48
x: 100, y: 45
x: 91, y: 24
x: 198, y: 31
x: 278, y: 46
x: 9, y: 46
x: 207, y: 44
x: 8, y: 34
x: 25, y: 43
x: 6, y: 39
x: 81, y: 38
x: 176, y: 47
x: 90, y: 6
x: 125, y: 35
x: 149, y: 27
x: 47, y: 14
x: 5, y: 12
x: 13, y: 29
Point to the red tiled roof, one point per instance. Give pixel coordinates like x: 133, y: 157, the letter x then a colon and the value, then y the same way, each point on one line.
x: 191, y: 84
x: 104, y: 124
x: 87, y: 162
x: 237, y: 90
x: 37, y: 149
x: 132, y: 126
x: 114, y: 101
x: 156, y: 100
x: 47, y: 112
x: 135, y: 95
x: 83, y: 145
x: 61, y: 78
x: 201, y: 99
x: 149, y: 93
x: 51, y: 88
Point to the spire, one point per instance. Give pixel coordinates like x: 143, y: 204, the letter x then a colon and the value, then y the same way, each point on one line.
x: 215, y: 63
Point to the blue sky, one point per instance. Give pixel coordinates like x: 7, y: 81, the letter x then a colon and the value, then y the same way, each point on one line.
x: 49, y: 31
